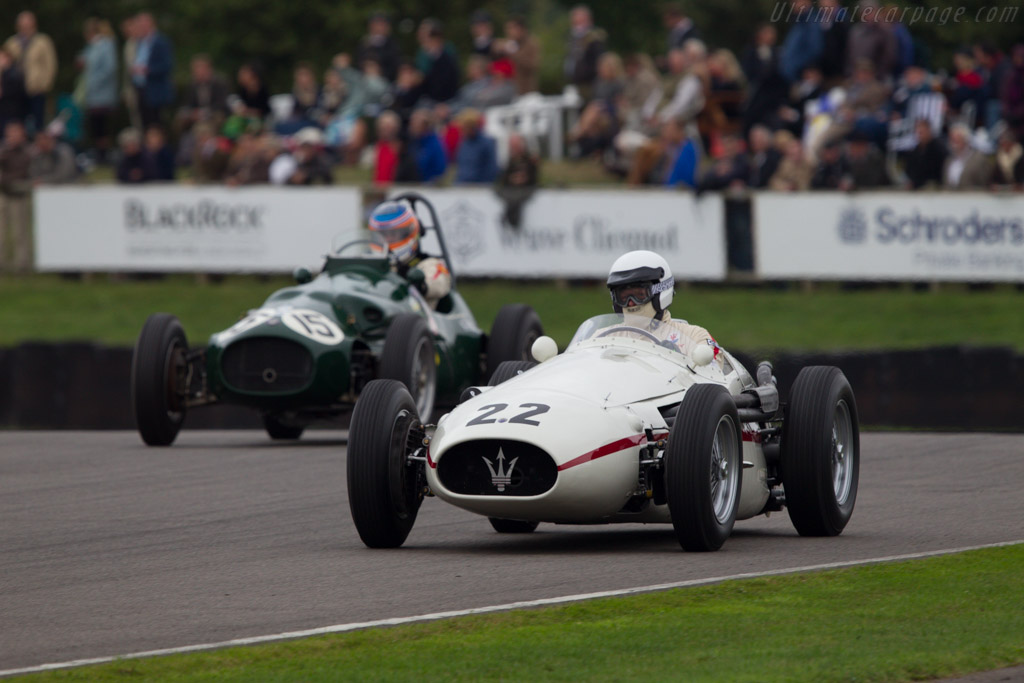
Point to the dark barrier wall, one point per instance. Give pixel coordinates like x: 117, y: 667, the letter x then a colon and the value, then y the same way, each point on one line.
x: 86, y: 386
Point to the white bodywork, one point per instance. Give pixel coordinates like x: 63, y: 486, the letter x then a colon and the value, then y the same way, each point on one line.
x: 602, y: 396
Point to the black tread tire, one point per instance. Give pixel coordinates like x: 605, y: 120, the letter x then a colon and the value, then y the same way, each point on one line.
x: 514, y: 330
x: 510, y: 369
x: 688, y: 467
x: 512, y: 526
x: 382, y: 498
x: 279, y: 431
x: 806, y: 454
x: 397, y: 360
x: 157, y: 418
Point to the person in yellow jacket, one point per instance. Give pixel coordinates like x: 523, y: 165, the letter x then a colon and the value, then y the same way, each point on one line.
x: 35, y: 54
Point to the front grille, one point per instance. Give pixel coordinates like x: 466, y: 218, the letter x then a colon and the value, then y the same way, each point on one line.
x: 270, y: 365
x: 496, y: 467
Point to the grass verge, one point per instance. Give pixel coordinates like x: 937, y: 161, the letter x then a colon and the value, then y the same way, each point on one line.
x: 47, y: 307
x: 916, y: 620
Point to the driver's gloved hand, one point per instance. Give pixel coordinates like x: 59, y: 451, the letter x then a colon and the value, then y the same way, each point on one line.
x: 417, y: 279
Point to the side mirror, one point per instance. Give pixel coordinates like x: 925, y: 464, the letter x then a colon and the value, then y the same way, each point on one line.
x: 544, y: 348
x: 702, y: 355
x: 302, y: 275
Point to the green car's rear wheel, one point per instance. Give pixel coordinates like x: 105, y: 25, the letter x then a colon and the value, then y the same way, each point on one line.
x: 514, y: 330
x: 278, y: 430
x: 158, y: 378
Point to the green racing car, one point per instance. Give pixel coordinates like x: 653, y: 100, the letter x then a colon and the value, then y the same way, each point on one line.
x: 306, y: 353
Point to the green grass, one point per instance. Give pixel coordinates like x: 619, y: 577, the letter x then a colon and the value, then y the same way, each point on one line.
x: 918, y: 620
x: 46, y: 307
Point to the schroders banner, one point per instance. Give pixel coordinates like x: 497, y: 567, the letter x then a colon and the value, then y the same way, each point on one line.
x: 579, y: 233
x: 182, y: 228
x: 881, y: 236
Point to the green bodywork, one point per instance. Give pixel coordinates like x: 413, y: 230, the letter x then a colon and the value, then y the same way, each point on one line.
x: 361, y: 295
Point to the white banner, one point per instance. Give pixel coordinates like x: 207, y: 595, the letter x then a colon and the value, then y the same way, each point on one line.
x: 190, y: 228
x: 897, y: 236
x: 579, y: 233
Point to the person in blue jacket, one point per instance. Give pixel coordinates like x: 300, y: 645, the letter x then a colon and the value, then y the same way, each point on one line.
x: 152, y: 70
x: 804, y: 43
x: 431, y: 162
x: 477, y: 155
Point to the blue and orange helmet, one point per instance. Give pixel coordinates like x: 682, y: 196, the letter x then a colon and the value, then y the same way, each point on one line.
x: 394, y: 227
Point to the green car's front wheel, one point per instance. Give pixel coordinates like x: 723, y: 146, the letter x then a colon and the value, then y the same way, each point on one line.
x: 408, y: 357
x: 158, y: 371
x: 280, y: 431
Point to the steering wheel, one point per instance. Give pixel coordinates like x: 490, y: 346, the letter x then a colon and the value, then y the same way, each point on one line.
x: 630, y: 330
x: 392, y: 259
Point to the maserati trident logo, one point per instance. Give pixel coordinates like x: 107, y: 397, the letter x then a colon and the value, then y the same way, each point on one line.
x: 502, y: 477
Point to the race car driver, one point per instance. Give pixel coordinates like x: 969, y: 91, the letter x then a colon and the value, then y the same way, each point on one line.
x: 394, y: 226
x: 641, y: 286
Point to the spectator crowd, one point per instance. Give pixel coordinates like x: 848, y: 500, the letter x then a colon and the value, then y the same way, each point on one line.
x: 839, y: 101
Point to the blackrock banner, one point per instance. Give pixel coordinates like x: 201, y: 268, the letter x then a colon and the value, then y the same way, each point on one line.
x: 579, y: 233
x: 880, y: 236
x: 182, y: 228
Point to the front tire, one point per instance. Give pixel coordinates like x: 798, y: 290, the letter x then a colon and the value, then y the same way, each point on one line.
x: 820, y: 458
x: 703, y: 468
x: 512, y: 526
x: 512, y: 335
x: 408, y: 357
x: 385, y: 489
x: 158, y: 375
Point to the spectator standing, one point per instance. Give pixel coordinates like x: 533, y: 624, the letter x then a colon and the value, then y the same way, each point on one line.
x: 968, y: 85
x: 15, y: 199
x: 152, y: 69
x: 586, y: 45
x: 425, y: 146
x: 871, y: 41
x: 98, y: 62
x: 129, y: 164
x: 157, y: 156
x: 388, y: 148
x: 523, y: 50
x: 768, y: 90
x: 518, y: 180
x: 441, y: 73
x: 379, y: 46
x: 53, y: 161
x: 1008, y: 169
x: 481, y: 28
x: 206, y: 96
x: 253, y: 97
x: 130, y: 34
x: 1013, y: 92
x: 13, y: 106
x: 925, y: 162
x: 476, y: 158
x: 835, y: 29
x: 34, y: 53
x: 966, y: 168
x: 804, y: 43
x: 680, y: 27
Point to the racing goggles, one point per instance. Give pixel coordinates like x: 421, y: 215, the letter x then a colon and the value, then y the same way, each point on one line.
x: 392, y: 237
x: 632, y: 294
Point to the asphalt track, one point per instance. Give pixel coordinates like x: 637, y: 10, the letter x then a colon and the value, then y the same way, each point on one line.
x: 108, y: 547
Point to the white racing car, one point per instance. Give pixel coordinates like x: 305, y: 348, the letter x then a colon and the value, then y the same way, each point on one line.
x: 621, y: 427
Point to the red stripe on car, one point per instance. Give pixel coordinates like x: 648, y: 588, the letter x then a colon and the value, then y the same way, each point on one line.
x: 608, y: 449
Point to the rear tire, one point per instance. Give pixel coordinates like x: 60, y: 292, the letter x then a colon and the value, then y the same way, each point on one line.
x: 279, y: 431
x: 512, y: 335
x: 820, y: 458
x: 385, y: 490
x: 408, y: 357
x: 158, y: 365
x: 510, y: 369
x: 704, y: 468
x: 512, y: 526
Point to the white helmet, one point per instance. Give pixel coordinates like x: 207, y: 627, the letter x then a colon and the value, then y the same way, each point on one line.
x: 641, y: 282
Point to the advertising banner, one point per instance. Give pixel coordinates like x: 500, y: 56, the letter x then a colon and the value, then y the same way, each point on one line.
x: 188, y: 228
x: 890, y: 236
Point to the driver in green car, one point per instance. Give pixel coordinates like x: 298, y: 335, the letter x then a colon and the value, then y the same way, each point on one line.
x: 393, y: 226
x: 641, y: 285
